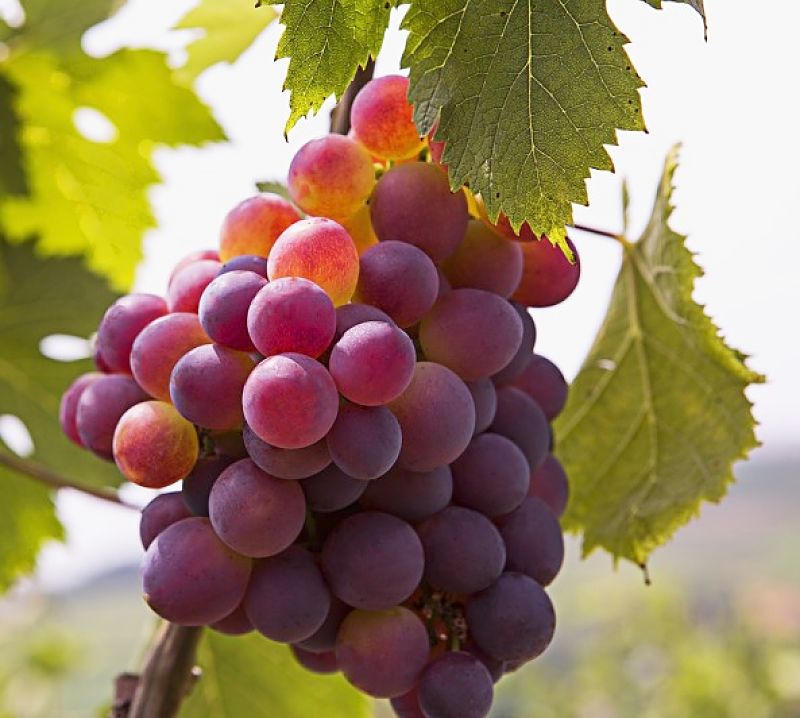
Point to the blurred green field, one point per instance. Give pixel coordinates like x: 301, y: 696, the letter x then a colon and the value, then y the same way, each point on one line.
x: 716, y: 635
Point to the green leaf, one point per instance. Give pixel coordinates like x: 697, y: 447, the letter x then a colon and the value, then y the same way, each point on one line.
x: 251, y: 676
x: 657, y: 415
x: 91, y: 196
x: 696, y: 4
x: 274, y: 187
x: 230, y: 27
x: 327, y: 40
x: 12, y: 170
x: 529, y: 93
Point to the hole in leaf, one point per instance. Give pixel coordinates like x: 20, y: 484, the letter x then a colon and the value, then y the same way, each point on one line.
x: 65, y: 347
x: 15, y: 435
x: 94, y: 125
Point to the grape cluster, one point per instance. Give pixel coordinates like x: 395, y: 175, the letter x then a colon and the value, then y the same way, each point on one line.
x: 351, y: 398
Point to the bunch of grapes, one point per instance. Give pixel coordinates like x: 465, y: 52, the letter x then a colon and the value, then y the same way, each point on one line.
x: 351, y: 399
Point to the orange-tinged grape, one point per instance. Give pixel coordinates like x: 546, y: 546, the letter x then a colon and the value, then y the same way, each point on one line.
x: 548, y: 277
x: 375, y: 160
x: 359, y: 227
x: 331, y: 177
x: 253, y: 225
x: 154, y: 446
x: 318, y: 249
x: 383, y: 119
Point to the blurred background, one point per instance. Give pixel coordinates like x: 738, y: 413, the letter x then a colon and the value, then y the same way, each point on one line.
x: 718, y: 631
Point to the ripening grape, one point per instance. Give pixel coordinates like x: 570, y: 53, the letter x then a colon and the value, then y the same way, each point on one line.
x: 413, y: 203
x: 348, y: 315
x: 164, y: 510
x: 287, y: 599
x: 316, y: 662
x: 520, y: 419
x: 254, y: 513
x: 533, y: 539
x: 234, y: 624
x: 491, y: 476
x: 514, y: 368
x: 456, y: 685
x: 196, y: 487
x: 437, y: 418
x: 158, y: 348
x: 206, y: 386
x: 513, y: 619
x: 254, y: 224
x: 291, y: 314
x: 364, y: 441
x: 120, y: 325
x: 331, y: 177
x: 398, y: 279
x: 320, y: 250
x: 99, y: 408
x: 410, y: 495
x: 383, y: 119
x: 190, y: 577
x: 191, y: 258
x: 504, y: 229
x: 373, y: 362
x: 188, y: 285
x: 154, y: 446
x: 436, y: 147
x: 543, y: 382
x: 245, y: 263
x: 486, y: 261
x: 324, y: 638
x: 407, y: 705
x: 382, y: 652
x: 372, y: 560
x: 359, y: 227
x: 68, y: 409
x: 495, y: 667
x: 484, y: 397
x: 290, y: 464
x: 224, y: 305
x: 473, y: 332
x: 464, y: 552
x: 548, y: 277
x: 290, y: 401
x: 331, y: 490
x: 549, y: 483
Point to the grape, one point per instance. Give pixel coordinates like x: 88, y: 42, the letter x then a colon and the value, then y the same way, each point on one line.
x: 543, y: 382
x: 444, y: 283
x: 316, y: 662
x: 245, y: 263
x: 520, y: 419
x: 463, y: 550
x: 287, y: 600
x: 495, y: 667
x: 331, y: 177
x: 359, y: 227
x: 253, y: 225
x: 548, y: 278
x: 206, y: 386
x: 472, y: 332
x: 187, y: 286
x: 504, y: 229
x: 68, y: 409
x: 224, y: 305
x: 436, y: 147
x: 164, y: 510
x: 413, y: 203
x: 382, y: 119
x: 407, y: 705
x: 123, y: 320
x: 410, y: 495
x: 437, y: 418
x: 382, y: 652
x: 154, y: 446
x: 158, y: 348
x: 331, y: 490
x: 513, y: 619
x: 234, y: 624
x: 190, y: 577
x: 514, y: 368
x: 491, y: 476
x: 373, y: 363
x: 484, y: 397
x: 486, y: 261
x: 255, y: 513
x: 318, y: 249
x: 549, y: 483
x: 191, y: 258
x: 99, y: 362
x: 290, y: 401
x: 288, y: 464
x: 348, y: 315
x: 372, y: 560
x: 456, y: 685
x: 291, y: 314
x: 197, y: 485
x: 533, y: 539
x: 398, y: 279
x: 100, y: 407
x: 324, y: 638
x: 365, y: 441
x: 229, y: 443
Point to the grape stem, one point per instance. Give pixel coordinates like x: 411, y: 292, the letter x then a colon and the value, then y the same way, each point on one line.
x: 600, y: 232
x: 340, y: 115
x: 50, y: 478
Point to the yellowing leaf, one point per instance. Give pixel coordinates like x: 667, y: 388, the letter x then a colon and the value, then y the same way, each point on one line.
x: 657, y: 415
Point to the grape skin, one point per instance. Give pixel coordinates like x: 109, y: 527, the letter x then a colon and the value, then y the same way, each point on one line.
x: 164, y: 510
x: 549, y: 483
x: 331, y: 490
x: 364, y: 442
x: 410, y: 495
x: 484, y: 397
x: 224, y: 306
x: 253, y: 225
x: 234, y: 624
x: 120, y: 325
x: 456, y: 685
x: 324, y: 638
x: 290, y: 464
x: 322, y: 663
x: 548, y: 278
x: 68, y: 408
x: 514, y: 368
x: 543, y: 382
x: 196, y: 487
x: 188, y: 285
x: 520, y: 419
x: 245, y: 263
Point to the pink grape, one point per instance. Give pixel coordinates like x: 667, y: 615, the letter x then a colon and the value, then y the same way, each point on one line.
x: 164, y: 510
x: 548, y: 278
x: 245, y: 263
x: 120, y: 325
x: 68, y: 409
x: 224, y: 305
x: 254, y: 224
x: 348, y: 315
x: 191, y: 258
x: 187, y: 286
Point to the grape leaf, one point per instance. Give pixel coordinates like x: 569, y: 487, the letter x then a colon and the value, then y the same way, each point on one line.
x: 657, y: 415
x: 274, y: 187
x: 696, y: 4
x: 230, y: 26
x: 251, y: 676
x: 12, y: 170
x: 326, y: 41
x: 529, y: 93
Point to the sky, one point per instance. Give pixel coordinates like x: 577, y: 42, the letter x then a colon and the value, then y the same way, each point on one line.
x: 732, y: 102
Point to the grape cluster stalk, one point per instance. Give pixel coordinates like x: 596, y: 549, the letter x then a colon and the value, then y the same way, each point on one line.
x: 347, y: 389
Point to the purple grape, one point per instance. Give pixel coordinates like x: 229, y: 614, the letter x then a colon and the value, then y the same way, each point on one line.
x: 288, y: 464
x: 407, y: 705
x: 234, y: 624
x: 348, y: 315
x: 364, y: 441
x: 409, y: 495
x: 188, y: 284
x: 68, y: 409
x: 456, y: 685
x: 485, y: 398
x: 164, y: 510
x: 224, y: 305
x: 548, y: 278
x: 324, y: 638
x: 549, y: 483
x: 520, y: 419
x: 331, y: 490
x: 120, y: 325
x: 245, y: 263
x: 316, y: 662
x: 543, y: 382
x: 197, y: 485
x: 514, y: 368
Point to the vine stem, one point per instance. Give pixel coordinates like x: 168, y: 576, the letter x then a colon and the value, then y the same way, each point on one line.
x: 340, y: 115
x: 601, y: 233
x: 54, y: 480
